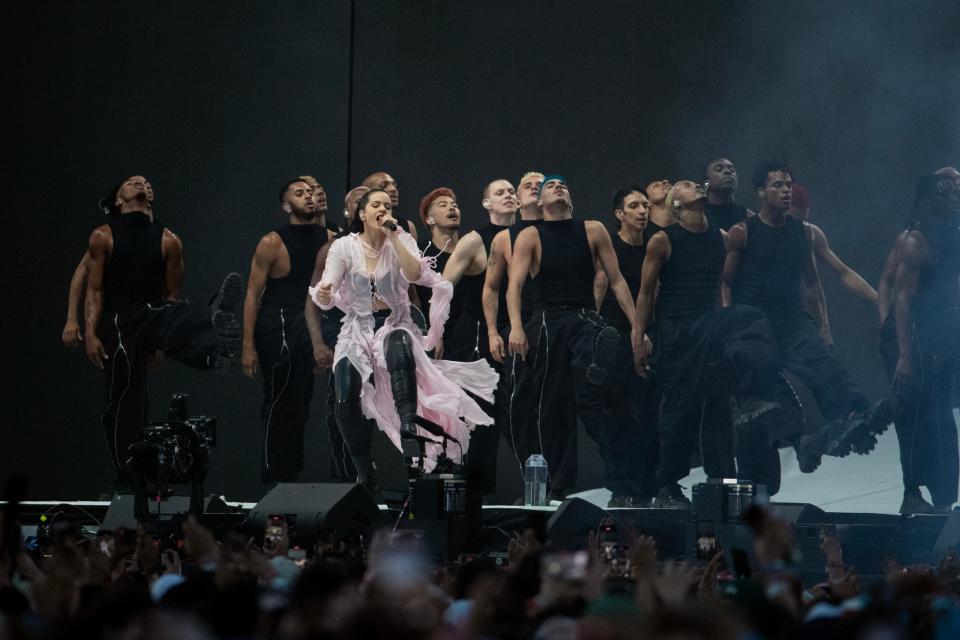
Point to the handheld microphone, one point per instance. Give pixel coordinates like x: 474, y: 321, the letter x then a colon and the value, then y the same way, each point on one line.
x: 390, y: 225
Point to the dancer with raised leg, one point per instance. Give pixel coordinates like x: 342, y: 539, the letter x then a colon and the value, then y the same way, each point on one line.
x: 134, y: 312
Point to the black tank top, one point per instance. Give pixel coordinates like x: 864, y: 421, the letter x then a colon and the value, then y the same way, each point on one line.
x: 771, y: 268
x: 302, y: 241
x: 530, y: 296
x: 565, y: 279
x: 133, y: 276
x: 630, y: 258
x: 690, y: 279
x: 725, y: 216
x: 431, y: 250
x: 469, y: 334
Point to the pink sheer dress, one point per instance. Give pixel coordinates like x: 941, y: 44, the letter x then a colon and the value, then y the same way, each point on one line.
x: 441, y: 384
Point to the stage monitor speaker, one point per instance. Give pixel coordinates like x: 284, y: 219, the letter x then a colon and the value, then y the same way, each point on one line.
x: 571, y: 524
x: 120, y: 512
x: 343, y: 510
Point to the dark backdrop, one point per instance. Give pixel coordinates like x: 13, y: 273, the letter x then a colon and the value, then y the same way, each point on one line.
x: 219, y: 102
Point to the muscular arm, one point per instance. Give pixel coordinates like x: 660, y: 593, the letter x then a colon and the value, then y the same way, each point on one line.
x: 496, y: 267
x: 467, y: 258
x: 658, y: 252
x: 735, y: 245
x: 600, y: 283
x: 914, y: 256
x: 263, y: 258
x: 172, y: 265
x: 885, y: 287
x: 603, y: 249
x: 811, y: 280
x: 98, y: 250
x: 71, y: 329
x: 490, y: 297
x: 850, y: 278
x: 524, y: 253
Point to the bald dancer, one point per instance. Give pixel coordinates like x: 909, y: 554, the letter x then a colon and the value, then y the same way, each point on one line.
x: 468, y: 338
x: 516, y: 406
x: 720, y: 179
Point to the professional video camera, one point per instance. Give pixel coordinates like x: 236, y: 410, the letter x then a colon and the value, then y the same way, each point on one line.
x: 175, y: 451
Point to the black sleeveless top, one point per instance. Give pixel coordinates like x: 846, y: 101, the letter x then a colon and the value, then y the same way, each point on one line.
x: 133, y: 276
x: 469, y: 333
x: 725, y: 216
x: 431, y: 250
x: 630, y: 258
x: 302, y: 241
x: 770, y: 273
x: 690, y: 279
x: 565, y: 279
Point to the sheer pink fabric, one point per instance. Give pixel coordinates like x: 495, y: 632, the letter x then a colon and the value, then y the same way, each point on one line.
x: 441, y: 384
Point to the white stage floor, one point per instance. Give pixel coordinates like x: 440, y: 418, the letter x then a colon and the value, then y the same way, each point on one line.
x: 868, y: 484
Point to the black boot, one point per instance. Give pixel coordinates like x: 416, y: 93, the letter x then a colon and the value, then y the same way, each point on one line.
x: 403, y: 384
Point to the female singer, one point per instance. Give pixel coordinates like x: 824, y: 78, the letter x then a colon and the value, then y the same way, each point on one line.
x: 381, y: 368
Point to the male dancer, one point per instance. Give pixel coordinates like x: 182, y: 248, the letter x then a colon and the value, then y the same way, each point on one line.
x: 919, y: 343
x: 699, y: 345
x: 275, y: 337
x: 572, y: 345
x: 721, y: 180
x: 71, y: 335
x: 659, y: 216
x: 769, y: 261
x: 133, y: 309
x: 813, y: 295
x: 440, y: 213
x: 467, y: 338
x: 383, y: 180
x: 515, y: 393
x: 320, y: 199
x: 630, y: 438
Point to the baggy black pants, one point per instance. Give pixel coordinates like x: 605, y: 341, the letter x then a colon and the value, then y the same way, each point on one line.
x: 563, y: 351
x: 804, y: 354
x: 286, y: 366
x: 736, y: 344
x: 926, y: 429
x: 624, y: 426
x: 181, y: 330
